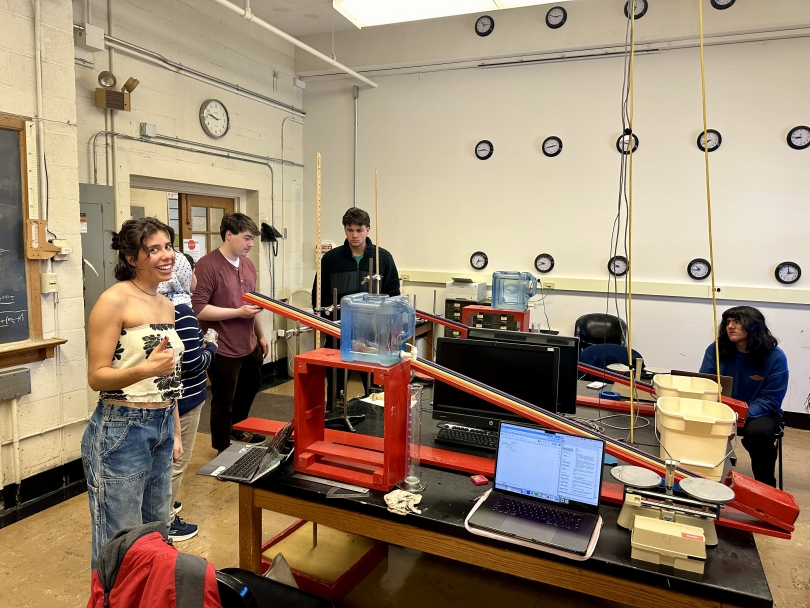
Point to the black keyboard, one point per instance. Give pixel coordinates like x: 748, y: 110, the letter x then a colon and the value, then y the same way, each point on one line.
x: 464, y: 435
x: 247, y: 465
x: 539, y: 513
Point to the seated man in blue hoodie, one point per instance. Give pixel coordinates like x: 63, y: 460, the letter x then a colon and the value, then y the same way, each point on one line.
x: 750, y: 355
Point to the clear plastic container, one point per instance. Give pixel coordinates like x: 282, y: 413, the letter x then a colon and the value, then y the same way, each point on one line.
x: 512, y: 290
x: 374, y: 328
x: 695, y: 432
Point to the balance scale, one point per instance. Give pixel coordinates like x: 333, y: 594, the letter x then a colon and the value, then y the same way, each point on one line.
x: 700, y: 508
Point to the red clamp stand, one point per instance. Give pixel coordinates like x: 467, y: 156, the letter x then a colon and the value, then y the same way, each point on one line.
x: 476, y: 315
x: 316, y: 456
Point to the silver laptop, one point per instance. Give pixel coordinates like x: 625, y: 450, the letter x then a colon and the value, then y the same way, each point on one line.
x: 547, y: 488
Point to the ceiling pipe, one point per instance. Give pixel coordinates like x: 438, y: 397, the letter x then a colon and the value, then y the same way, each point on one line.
x: 248, y: 14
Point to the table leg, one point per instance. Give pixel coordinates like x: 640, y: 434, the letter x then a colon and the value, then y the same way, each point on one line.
x: 250, y: 530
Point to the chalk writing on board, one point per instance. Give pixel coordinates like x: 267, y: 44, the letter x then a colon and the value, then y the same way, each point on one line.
x: 12, y: 317
x: 6, y: 300
x: 3, y: 252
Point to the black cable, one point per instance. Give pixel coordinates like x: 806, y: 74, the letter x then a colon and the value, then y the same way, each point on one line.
x: 47, y: 194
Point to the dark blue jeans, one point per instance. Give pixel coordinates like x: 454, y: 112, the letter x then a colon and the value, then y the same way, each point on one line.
x: 127, y: 458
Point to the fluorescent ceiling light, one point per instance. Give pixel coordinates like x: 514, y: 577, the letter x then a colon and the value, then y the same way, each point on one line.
x: 365, y: 13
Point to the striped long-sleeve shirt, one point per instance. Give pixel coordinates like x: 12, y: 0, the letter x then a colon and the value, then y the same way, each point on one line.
x: 196, y: 358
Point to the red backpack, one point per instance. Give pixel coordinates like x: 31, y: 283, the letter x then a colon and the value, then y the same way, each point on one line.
x: 139, y: 567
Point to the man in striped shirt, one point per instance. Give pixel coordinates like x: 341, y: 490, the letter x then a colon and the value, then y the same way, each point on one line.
x: 197, y: 356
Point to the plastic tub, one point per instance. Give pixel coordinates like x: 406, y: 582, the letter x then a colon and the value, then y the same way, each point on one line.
x: 374, y: 328
x: 511, y: 290
x: 695, y: 432
x: 687, y: 387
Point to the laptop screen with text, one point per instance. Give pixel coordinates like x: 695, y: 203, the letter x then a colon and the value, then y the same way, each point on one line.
x: 554, y: 467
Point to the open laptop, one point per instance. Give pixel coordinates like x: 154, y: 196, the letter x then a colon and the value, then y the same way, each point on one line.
x: 547, y: 488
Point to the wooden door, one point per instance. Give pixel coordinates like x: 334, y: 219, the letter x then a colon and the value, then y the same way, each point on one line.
x: 200, y: 217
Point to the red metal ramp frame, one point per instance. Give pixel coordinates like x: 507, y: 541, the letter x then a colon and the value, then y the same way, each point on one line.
x: 776, y: 508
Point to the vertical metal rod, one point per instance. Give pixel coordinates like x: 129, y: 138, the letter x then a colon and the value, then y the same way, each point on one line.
x: 334, y: 369
x: 434, y: 301
x: 314, y: 534
x: 346, y: 399
x: 318, y: 243
x: 356, y: 96
x: 377, y: 229
x: 371, y: 275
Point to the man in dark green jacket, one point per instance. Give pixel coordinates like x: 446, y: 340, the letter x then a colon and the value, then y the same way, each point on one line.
x: 345, y: 269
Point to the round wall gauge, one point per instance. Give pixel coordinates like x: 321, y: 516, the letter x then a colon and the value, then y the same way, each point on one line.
x: 714, y: 137
x: 214, y: 118
x: 788, y: 273
x: 484, y: 149
x: 479, y: 260
x: 484, y: 25
x: 699, y: 269
x: 552, y: 146
x: 623, y: 143
x: 544, y: 262
x: 555, y: 17
x: 617, y: 265
x: 721, y: 5
x: 799, y: 138
x: 640, y: 8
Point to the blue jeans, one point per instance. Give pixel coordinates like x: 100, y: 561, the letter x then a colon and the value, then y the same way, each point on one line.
x: 127, y: 458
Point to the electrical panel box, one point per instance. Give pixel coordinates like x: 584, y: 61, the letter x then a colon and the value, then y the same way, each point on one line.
x: 15, y: 383
x: 90, y: 37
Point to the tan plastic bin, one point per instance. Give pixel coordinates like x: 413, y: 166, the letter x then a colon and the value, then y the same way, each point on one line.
x: 688, y: 387
x: 695, y: 433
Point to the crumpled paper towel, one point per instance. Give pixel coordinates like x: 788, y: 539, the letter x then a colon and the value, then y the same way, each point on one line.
x: 402, y: 502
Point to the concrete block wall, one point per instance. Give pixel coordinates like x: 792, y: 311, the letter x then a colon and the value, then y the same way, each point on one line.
x: 51, y: 419
x: 212, y: 40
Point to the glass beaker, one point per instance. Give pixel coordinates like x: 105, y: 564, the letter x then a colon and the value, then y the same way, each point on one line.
x: 412, y: 481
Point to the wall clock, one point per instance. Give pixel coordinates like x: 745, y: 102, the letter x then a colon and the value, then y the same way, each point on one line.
x: 788, y: 273
x: 484, y: 25
x: 699, y: 269
x: 722, y: 5
x: 555, y: 17
x: 479, y: 260
x: 544, y: 262
x: 617, y: 265
x: 799, y: 138
x: 714, y: 138
x: 640, y: 7
x: 552, y: 146
x: 214, y: 118
x: 484, y: 149
x: 623, y: 143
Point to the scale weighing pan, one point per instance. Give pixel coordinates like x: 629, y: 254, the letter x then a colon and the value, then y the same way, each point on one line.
x: 706, y: 490
x: 636, y: 477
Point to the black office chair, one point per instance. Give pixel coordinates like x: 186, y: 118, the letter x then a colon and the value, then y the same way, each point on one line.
x: 599, y: 328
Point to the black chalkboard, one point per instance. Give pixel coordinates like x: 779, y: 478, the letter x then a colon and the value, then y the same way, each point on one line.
x: 13, y: 291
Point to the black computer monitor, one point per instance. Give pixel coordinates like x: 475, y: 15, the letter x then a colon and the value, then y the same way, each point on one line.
x: 569, y: 359
x: 526, y: 371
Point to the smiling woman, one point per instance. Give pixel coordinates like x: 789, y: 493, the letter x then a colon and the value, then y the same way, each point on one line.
x: 134, y: 358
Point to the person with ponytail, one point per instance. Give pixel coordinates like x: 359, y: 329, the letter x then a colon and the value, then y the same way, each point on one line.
x: 134, y: 362
x: 752, y: 357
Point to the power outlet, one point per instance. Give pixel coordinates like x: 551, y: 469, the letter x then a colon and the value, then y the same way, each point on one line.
x: 279, y: 333
x: 547, y: 285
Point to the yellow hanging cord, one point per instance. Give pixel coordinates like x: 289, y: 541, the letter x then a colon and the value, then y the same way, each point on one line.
x: 630, y: 222
x: 709, y: 199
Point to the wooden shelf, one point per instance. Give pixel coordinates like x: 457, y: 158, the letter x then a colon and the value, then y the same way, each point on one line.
x: 28, y: 351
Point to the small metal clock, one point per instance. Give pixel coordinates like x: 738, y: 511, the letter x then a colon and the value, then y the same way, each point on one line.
x: 788, y: 273
x: 714, y: 138
x: 799, y: 138
x: 639, y: 6
x: 484, y: 25
x: 544, y: 262
x: 555, y: 17
x: 479, y: 260
x: 214, y: 118
x: 699, y: 269
x: 618, y: 265
x: 623, y: 143
x: 552, y: 146
x: 484, y: 149
x: 722, y: 5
